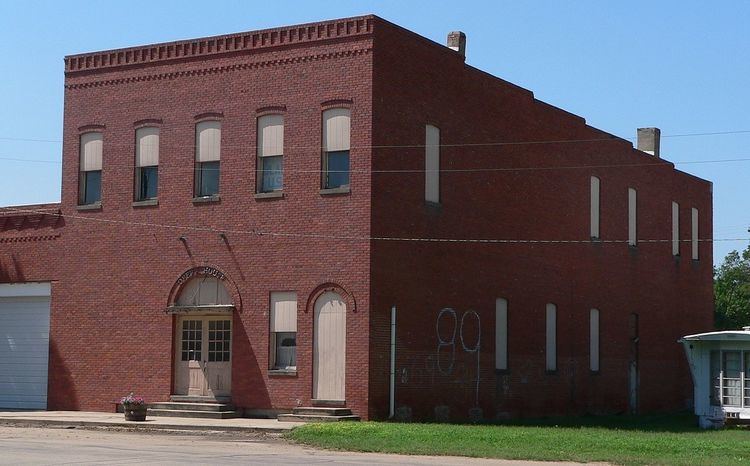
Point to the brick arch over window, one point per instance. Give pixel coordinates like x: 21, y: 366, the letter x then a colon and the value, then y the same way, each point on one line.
x: 351, y: 302
x: 188, y: 276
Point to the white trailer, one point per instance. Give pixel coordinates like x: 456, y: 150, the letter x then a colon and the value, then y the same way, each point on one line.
x: 720, y: 366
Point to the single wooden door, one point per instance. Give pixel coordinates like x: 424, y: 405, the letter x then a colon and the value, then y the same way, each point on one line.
x: 329, y: 352
x: 218, y: 364
x: 189, y: 376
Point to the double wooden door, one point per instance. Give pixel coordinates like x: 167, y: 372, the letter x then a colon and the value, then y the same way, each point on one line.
x: 203, y: 356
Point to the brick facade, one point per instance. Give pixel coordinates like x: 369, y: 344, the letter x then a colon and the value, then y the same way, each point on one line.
x: 113, y: 269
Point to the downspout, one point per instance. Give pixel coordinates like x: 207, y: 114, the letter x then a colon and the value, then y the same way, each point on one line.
x: 392, y: 404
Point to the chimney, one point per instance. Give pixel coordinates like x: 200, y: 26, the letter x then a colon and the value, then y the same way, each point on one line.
x: 457, y: 42
x: 648, y: 140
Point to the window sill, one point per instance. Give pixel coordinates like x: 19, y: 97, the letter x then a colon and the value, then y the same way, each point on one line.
x: 502, y: 371
x: 94, y: 206
x: 550, y: 372
x: 207, y: 199
x: 334, y: 191
x: 283, y: 372
x: 146, y: 203
x: 270, y: 195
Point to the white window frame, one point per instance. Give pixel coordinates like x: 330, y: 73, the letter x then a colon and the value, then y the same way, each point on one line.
x: 595, y: 207
x: 632, y: 217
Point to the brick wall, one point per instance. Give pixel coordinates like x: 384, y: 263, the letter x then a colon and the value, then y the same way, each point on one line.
x: 417, y: 82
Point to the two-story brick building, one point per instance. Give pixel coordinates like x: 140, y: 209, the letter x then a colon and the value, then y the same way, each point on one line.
x: 346, y: 213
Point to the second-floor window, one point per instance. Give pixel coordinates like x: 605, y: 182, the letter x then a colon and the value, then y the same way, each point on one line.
x: 90, y: 176
x: 146, y: 163
x: 207, y: 156
x: 336, y: 129
x: 270, y: 153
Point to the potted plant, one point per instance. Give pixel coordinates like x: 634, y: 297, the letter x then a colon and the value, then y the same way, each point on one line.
x: 134, y: 407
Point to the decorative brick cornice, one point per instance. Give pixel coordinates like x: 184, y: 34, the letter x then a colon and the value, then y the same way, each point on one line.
x: 218, y: 69
x: 28, y: 239
x: 220, y: 45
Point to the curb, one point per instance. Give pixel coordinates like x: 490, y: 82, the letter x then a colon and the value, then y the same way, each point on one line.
x: 139, y: 426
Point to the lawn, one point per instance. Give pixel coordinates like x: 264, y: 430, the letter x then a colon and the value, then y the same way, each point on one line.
x: 616, y: 439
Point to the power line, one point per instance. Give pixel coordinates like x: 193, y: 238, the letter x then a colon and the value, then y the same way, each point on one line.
x: 664, y: 163
x: 611, y: 138
x: 261, y: 233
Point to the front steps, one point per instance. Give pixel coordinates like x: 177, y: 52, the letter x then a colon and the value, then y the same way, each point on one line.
x: 193, y: 409
x: 319, y: 414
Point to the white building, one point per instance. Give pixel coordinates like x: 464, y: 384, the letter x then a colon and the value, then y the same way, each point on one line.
x: 720, y: 366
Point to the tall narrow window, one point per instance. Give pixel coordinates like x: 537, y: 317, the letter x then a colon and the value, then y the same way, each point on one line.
x: 632, y: 219
x: 594, y: 340
x: 595, y: 207
x: 270, y: 153
x: 432, y: 164
x: 694, y: 232
x: 283, y: 330
x: 501, y: 334
x: 551, y: 337
x: 675, y: 229
x: 146, y: 163
x: 207, y: 156
x: 336, y: 136
x: 90, y: 176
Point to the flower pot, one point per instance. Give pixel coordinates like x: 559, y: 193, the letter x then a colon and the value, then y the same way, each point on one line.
x: 135, y: 412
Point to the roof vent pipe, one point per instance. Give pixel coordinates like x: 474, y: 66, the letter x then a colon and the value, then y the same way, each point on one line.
x: 649, y: 140
x: 457, y: 42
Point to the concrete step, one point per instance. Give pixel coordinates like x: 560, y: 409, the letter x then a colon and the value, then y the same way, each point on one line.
x: 320, y: 411
x: 200, y: 399
x: 329, y: 403
x: 192, y: 413
x: 192, y: 406
x: 315, y: 418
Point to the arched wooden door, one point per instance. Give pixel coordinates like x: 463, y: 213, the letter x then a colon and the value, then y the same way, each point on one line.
x: 329, y: 352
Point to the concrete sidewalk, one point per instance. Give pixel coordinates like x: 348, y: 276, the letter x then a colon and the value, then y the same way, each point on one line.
x: 94, y: 419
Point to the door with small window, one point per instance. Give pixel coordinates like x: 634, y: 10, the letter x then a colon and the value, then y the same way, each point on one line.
x: 203, y: 356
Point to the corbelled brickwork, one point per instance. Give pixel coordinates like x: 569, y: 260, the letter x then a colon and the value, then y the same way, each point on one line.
x: 114, y: 269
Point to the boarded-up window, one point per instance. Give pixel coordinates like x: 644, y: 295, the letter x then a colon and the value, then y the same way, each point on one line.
x: 432, y: 164
x: 675, y: 229
x: 147, y: 147
x: 208, y: 141
x: 283, y: 311
x: 501, y: 334
x: 91, y: 152
x: 595, y: 186
x: 551, y: 346
x: 270, y: 152
x: 694, y: 233
x: 632, y: 219
x: 336, y: 137
x: 594, y: 340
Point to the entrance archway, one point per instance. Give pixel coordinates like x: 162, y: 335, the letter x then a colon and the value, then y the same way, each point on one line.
x: 203, y: 336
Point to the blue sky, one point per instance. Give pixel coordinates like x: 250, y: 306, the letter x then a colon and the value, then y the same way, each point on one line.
x: 682, y: 66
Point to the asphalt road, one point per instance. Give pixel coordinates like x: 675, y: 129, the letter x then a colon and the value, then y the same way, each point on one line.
x: 36, y: 445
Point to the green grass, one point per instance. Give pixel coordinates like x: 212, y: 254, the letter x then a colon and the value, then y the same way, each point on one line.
x: 670, y: 439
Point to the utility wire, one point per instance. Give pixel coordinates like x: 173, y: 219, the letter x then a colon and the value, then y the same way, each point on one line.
x: 261, y: 233
x: 611, y: 138
x: 664, y: 163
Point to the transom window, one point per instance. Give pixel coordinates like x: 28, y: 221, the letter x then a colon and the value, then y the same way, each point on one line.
x: 192, y: 340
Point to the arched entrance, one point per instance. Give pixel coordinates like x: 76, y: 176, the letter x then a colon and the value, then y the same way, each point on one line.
x: 203, y: 335
x: 329, y: 365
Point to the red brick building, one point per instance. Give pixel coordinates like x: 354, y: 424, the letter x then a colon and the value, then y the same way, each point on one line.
x: 243, y: 216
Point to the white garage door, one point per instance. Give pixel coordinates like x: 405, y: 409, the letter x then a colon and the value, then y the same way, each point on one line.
x: 24, y: 345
